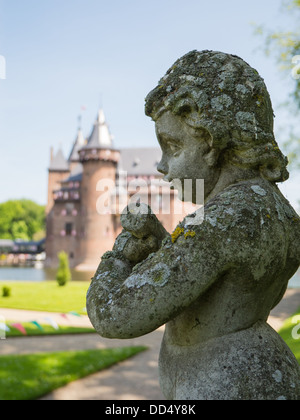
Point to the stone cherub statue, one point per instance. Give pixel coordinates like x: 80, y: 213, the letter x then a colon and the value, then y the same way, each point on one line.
x: 212, y: 284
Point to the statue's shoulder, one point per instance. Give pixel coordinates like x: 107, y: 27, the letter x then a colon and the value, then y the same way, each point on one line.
x: 249, y: 206
x: 247, y: 213
x: 235, y: 205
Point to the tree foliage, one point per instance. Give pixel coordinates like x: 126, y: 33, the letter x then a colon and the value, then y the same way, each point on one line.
x: 21, y: 219
x: 284, y: 45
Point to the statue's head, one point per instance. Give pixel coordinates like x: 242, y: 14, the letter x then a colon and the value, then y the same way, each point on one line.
x: 224, y: 101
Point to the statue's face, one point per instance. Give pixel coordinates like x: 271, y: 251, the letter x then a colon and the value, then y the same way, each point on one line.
x: 185, y: 156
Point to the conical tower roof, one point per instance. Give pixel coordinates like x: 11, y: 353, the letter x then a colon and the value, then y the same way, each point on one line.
x: 100, y: 137
x: 78, y: 144
x: 59, y: 163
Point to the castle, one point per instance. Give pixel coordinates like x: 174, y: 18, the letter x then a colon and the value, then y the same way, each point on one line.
x: 76, y: 223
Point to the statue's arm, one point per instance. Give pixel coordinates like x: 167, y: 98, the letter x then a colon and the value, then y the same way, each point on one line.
x: 127, y: 300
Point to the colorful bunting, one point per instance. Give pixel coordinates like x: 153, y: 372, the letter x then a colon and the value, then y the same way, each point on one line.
x: 19, y: 327
x: 37, y: 325
x: 48, y: 320
x: 51, y: 322
x: 4, y: 327
x: 74, y: 313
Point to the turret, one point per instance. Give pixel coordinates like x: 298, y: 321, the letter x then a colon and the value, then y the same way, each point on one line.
x: 58, y: 170
x: 78, y: 144
x: 99, y: 160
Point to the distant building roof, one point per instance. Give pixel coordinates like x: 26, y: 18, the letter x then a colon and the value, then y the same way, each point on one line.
x: 21, y: 246
x: 59, y: 163
x: 78, y: 144
x: 140, y: 161
x: 75, y: 175
x: 100, y: 136
x: 6, y: 243
x: 135, y: 161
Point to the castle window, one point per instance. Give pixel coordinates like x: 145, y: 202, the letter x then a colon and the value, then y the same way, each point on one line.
x: 69, y: 228
x: 69, y: 208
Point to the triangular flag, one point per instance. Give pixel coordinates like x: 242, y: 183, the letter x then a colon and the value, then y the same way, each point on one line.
x: 4, y: 327
x: 75, y: 314
x: 52, y: 323
x: 19, y: 327
x: 37, y: 325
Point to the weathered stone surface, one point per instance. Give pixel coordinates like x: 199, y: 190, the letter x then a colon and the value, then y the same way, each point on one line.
x: 212, y: 284
x: 223, y: 94
x: 233, y: 367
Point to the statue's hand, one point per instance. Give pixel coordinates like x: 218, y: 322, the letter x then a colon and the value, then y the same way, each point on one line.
x: 147, y: 233
x: 136, y: 250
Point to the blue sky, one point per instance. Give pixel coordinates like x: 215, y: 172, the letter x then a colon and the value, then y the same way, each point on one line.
x: 62, y: 54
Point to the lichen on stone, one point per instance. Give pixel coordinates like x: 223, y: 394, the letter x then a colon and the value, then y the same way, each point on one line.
x: 177, y: 232
x: 258, y: 190
x: 189, y: 233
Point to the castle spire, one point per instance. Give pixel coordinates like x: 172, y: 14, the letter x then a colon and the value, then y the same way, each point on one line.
x: 100, y: 136
x: 78, y: 144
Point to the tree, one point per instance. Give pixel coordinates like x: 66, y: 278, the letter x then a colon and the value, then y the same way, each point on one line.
x: 19, y: 230
x: 285, y: 47
x: 63, y: 275
x: 21, y: 219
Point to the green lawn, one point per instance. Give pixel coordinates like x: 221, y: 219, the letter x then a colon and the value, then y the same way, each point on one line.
x: 45, y: 296
x: 289, y: 329
x: 28, y: 377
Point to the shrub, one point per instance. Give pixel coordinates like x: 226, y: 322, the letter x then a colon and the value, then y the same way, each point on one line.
x: 63, y: 275
x: 6, y: 291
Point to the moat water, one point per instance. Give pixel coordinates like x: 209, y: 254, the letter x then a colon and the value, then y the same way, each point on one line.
x: 44, y: 274
x: 37, y: 274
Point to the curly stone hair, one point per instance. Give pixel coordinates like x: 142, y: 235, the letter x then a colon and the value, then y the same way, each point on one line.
x: 222, y: 94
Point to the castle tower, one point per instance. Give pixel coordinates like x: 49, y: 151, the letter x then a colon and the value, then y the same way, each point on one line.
x: 58, y: 170
x: 99, y: 160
